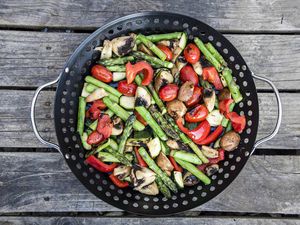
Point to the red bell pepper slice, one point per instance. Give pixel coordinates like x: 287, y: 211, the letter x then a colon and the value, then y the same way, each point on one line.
x: 197, y: 114
x: 175, y: 165
x: 195, y: 98
x: 221, y: 157
x: 119, y: 183
x: 238, y: 122
x: 104, y: 126
x: 139, y: 158
x: 212, y: 137
x: 198, y: 134
x: 139, y: 67
x: 95, y: 110
x: 95, y: 138
x: 224, y: 105
x: 211, y: 75
x: 202, y: 167
x: 99, y: 165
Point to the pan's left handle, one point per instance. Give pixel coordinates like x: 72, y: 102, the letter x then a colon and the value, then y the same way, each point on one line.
x: 279, y: 112
x: 32, y: 114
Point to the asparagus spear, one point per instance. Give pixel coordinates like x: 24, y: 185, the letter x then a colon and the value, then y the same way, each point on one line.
x: 119, y: 156
x: 168, y: 36
x: 116, y: 61
x: 81, y: 115
x: 152, y: 47
x: 152, y: 59
x: 194, y: 170
x: 83, y: 138
x: 122, y: 113
x: 187, y: 140
x: 162, y: 187
x: 229, y: 127
x: 167, y: 127
x: 215, y: 53
x: 151, y: 122
x: 233, y: 87
x: 116, y: 68
x: 180, y: 47
x: 157, y: 99
x: 107, y: 157
x: 186, y: 156
x: 109, y: 112
x: 90, y: 88
x: 105, y: 86
x: 207, y: 54
x: 126, y: 132
x: 152, y: 165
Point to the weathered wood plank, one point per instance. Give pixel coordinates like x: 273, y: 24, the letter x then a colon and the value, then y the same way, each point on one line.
x: 230, y: 15
x: 16, y: 131
x: 146, y: 221
x: 41, y: 182
x: 39, y: 57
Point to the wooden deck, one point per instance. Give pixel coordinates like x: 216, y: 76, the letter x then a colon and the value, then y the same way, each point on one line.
x: 37, y: 37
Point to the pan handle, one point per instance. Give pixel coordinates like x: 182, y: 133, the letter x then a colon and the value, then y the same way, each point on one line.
x: 279, y: 112
x: 32, y: 114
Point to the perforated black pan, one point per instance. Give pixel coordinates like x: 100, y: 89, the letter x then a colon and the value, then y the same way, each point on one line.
x: 70, y: 83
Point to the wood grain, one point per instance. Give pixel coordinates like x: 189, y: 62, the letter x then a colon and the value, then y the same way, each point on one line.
x: 41, y: 182
x: 16, y: 131
x: 40, y: 57
x: 145, y: 221
x: 80, y: 14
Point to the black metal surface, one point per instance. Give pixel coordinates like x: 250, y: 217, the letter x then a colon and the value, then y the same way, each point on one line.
x: 66, y: 102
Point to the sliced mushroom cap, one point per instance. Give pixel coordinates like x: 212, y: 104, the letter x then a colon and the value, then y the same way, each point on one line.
x: 224, y: 94
x: 209, y: 152
x: 186, y: 91
x: 164, y: 163
x: 209, y: 98
x: 142, y: 97
x: 230, y: 141
x: 118, y: 126
x: 172, y: 44
x: 176, y: 108
x: 178, y: 145
x: 141, y: 176
x: 106, y: 52
x: 95, y: 95
x: 122, y: 45
x: 163, y: 78
x: 122, y: 171
x: 180, y: 62
x: 211, y: 169
x: 151, y: 189
x: 189, y: 179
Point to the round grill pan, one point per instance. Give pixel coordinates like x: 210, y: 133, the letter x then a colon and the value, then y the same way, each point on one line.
x: 70, y: 83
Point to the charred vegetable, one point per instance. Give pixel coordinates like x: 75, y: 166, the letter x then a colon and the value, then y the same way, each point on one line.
x: 122, y: 45
x: 209, y: 98
x: 230, y: 141
x: 176, y: 109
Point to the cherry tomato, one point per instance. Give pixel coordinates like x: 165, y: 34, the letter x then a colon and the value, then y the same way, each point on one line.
x: 101, y: 73
x: 95, y: 110
x: 104, y: 126
x: 187, y: 73
x: 197, y: 114
x: 191, y: 53
x: 195, y: 98
x: 168, y: 92
x: 224, y: 105
x: 139, y: 67
x: 95, y: 138
x: 238, y: 122
x: 140, y: 118
x: 167, y: 51
x: 212, y: 76
x: 127, y: 89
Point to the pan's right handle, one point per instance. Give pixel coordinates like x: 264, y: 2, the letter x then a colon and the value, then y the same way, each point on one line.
x: 32, y: 115
x: 279, y: 114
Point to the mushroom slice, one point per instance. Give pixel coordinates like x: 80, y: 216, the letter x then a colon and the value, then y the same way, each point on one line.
x: 189, y: 179
x: 141, y: 176
x: 164, y: 163
x: 122, y: 171
x: 176, y: 109
x: 118, y: 126
x: 230, y: 141
x: 211, y: 169
x: 151, y: 189
x: 163, y: 78
x: 180, y: 62
x: 224, y: 94
x: 95, y: 95
x: 122, y: 45
x: 142, y: 97
x: 209, y: 98
x: 178, y: 145
x: 209, y: 152
x: 106, y: 52
x: 186, y: 91
x: 154, y: 147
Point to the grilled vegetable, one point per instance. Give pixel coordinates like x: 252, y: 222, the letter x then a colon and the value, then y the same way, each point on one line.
x: 177, y: 145
x: 127, y: 102
x: 141, y: 177
x: 212, y: 169
x: 189, y: 179
x: 163, y: 77
x: 176, y: 109
x: 106, y: 52
x: 97, y: 94
x: 209, y: 152
x: 126, y: 133
x: 84, y: 138
x: 100, y: 84
x: 164, y: 163
x: 142, y: 97
x: 154, y: 147
x: 230, y: 141
x: 116, y: 61
x: 186, y: 156
x: 214, y: 118
x: 197, y: 67
x: 178, y: 179
x: 153, y: 60
x: 122, y: 45
x: 151, y: 189
x: 118, y: 126
x: 163, y: 188
x: 209, y: 98
x: 81, y: 115
x: 186, y: 91
x: 122, y: 172
x: 117, y: 76
x: 137, y: 141
x: 233, y: 87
